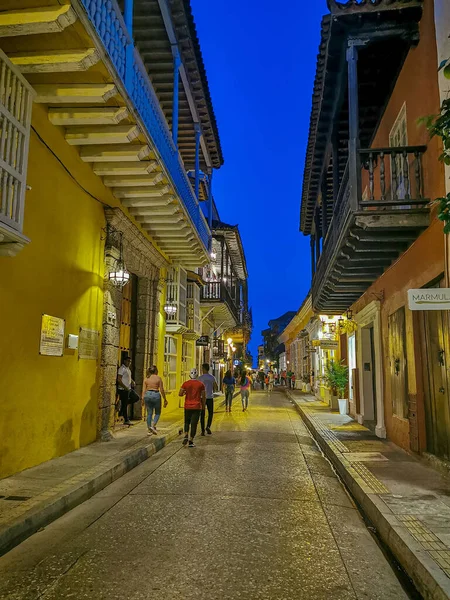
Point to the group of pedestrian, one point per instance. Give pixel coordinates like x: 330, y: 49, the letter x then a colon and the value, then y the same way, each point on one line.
x: 198, y: 392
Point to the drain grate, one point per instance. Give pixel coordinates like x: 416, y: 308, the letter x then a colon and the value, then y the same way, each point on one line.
x: 16, y: 498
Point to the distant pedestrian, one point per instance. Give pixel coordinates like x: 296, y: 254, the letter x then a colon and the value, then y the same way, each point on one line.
x: 289, y: 378
x: 246, y: 384
x: 271, y: 380
x: 125, y: 386
x: 210, y: 383
x: 261, y: 378
x: 229, y: 383
x: 293, y: 381
x: 152, y: 391
x: 283, y: 377
x: 194, y: 403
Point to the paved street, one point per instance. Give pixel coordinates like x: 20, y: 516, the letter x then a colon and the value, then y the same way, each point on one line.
x: 254, y: 511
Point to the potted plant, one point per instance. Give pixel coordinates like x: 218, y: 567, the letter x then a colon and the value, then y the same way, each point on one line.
x: 336, y: 377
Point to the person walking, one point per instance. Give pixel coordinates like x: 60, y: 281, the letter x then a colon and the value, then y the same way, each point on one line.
x: 194, y: 403
x: 210, y: 383
x: 261, y: 378
x: 152, y: 390
x: 283, y: 377
x: 271, y: 380
x: 246, y: 384
x: 289, y: 378
x: 229, y: 383
x: 125, y: 385
x: 293, y: 381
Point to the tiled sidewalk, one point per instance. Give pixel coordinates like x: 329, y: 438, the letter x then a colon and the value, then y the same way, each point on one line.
x: 406, y: 500
x: 35, y: 497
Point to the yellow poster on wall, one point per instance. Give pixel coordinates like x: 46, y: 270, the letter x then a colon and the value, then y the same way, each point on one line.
x: 52, y: 336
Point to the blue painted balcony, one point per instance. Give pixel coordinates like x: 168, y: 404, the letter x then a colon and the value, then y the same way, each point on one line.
x: 133, y: 100
x: 112, y: 31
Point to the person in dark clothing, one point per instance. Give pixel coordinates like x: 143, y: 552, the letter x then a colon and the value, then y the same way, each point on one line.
x: 229, y: 383
x: 261, y: 378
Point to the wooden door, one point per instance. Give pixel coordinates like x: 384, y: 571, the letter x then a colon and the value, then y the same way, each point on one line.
x: 397, y: 363
x: 436, y: 378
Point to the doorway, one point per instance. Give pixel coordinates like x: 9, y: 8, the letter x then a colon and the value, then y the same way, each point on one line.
x: 368, y: 368
x: 436, y: 382
x: 127, y: 337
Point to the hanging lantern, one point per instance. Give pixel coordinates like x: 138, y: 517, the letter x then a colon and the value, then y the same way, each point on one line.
x: 119, y: 276
x: 170, y: 308
x: 349, y: 314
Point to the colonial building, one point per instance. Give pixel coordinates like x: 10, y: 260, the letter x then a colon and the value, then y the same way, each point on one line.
x: 106, y: 132
x: 226, y: 318
x: 272, y: 347
x: 371, y: 171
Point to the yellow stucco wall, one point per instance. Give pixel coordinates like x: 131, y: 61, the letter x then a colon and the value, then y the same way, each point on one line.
x: 49, y: 404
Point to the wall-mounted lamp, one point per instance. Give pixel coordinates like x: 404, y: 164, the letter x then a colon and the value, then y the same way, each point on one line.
x: 119, y: 276
x: 349, y: 314
x: 170, y: 308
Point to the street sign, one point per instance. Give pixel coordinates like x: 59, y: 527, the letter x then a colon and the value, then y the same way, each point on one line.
x: 329, y: 344
x: 202, y: 341
x: 429, y: 299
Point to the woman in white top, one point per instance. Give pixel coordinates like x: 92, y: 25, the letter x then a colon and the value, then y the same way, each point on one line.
x: 152, y: 390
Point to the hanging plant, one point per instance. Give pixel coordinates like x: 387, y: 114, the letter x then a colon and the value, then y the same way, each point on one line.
x: 439, y: 125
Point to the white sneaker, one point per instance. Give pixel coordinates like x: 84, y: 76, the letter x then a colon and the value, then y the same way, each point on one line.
x: 149, y: 431
x: 154, y: 430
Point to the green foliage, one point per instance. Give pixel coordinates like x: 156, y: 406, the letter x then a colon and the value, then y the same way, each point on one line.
x: 439, y: 125
x: 336, y: 377
x: 444, y: 211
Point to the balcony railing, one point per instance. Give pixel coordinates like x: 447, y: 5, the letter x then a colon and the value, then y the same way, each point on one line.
x: 217, y: 291
x: 392, y: 181
x: 110, y: 26
x: 16, y: 97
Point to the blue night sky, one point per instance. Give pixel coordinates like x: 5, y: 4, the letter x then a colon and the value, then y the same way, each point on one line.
x: 260, y: 63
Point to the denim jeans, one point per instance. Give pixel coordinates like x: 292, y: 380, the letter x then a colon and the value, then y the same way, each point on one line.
x: 244, y: 396
x: 152, y: 401
x: 229, y: 390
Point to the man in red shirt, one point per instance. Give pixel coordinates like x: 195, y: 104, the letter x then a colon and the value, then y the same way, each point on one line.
x: 194, y: 403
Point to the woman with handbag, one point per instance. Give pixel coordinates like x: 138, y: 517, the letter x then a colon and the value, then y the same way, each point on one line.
x: 152, y: 390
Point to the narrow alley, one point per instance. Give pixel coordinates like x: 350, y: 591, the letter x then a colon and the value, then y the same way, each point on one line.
x: 254, y: 511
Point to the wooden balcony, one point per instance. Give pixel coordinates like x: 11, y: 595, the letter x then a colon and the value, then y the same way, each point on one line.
x: 217, y: 296
x: 369, y: 230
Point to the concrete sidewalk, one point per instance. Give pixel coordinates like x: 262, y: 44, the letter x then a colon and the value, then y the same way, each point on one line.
x: 35, y: 497
x: 407, y: 501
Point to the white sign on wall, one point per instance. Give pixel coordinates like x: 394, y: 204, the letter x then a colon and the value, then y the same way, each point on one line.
x: 429, y: 299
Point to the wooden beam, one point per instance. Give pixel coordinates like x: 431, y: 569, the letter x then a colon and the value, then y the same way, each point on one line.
x: 149, y: 201
x: 73, y: 93
x: 150, y: 191
x: 32, y: 21
x: 133, y: 181
x: 114, y: 153
x: 141, y: 167
x: 104, y: 134
x: 97, y: 115
x: 55, y: 61
x: 151, y: 211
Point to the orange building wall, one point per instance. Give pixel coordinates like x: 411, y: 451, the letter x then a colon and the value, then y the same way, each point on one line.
x: 424, y: 260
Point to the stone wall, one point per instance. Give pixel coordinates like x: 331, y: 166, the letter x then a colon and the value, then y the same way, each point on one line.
x: 143, y: 260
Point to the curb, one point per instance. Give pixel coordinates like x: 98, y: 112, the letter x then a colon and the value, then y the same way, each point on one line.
x: 425, y: 573
x: 45, y: 512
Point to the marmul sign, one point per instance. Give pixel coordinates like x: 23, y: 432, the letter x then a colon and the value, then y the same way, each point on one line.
x: 429, y: 299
